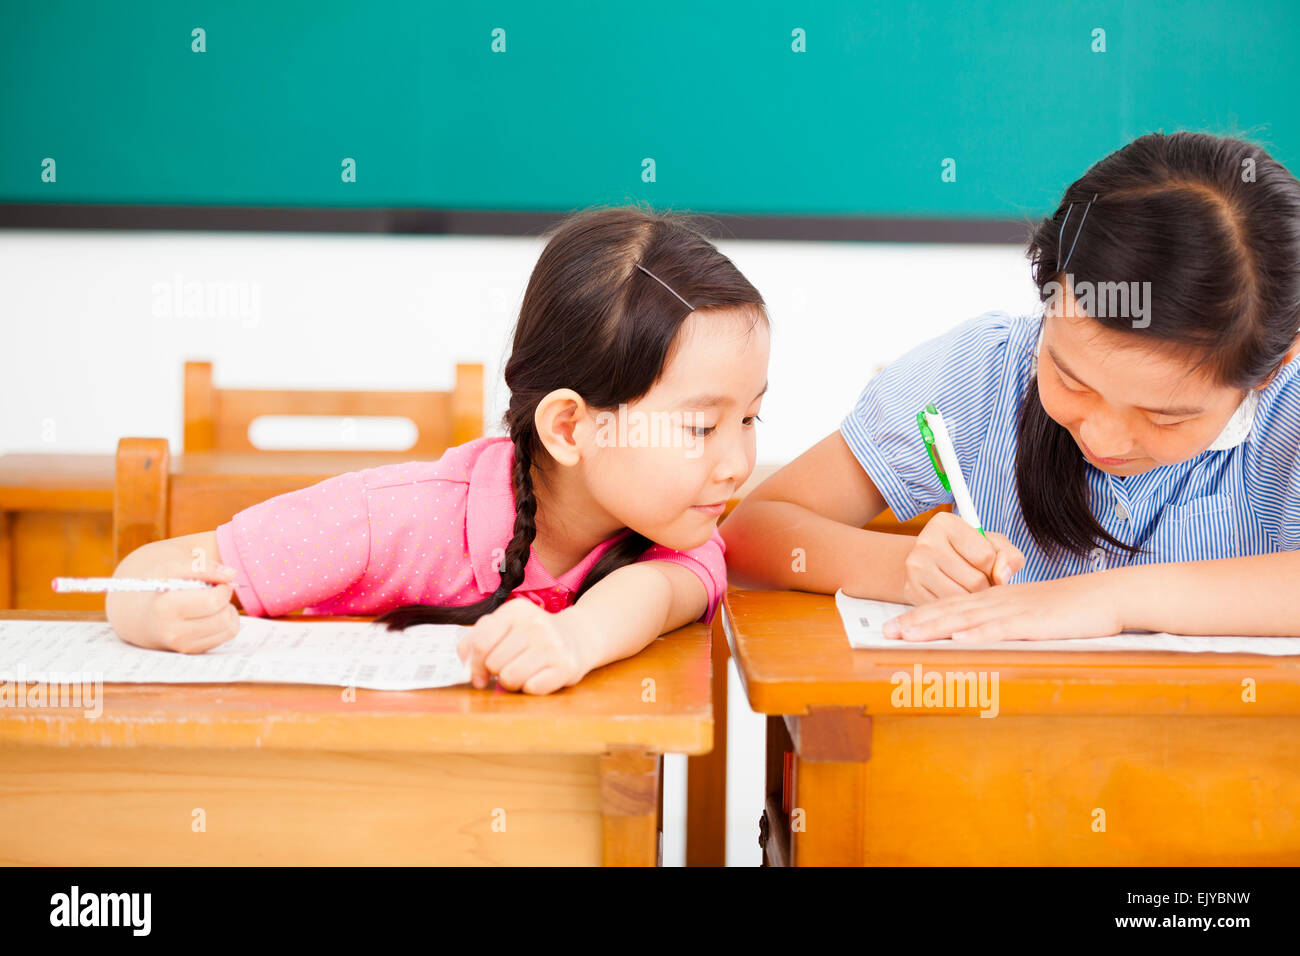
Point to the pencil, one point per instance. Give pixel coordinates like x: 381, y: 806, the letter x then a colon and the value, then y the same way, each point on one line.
x: 94, y: 585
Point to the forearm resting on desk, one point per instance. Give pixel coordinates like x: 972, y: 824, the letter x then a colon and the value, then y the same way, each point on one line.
x: 630, y: 607
x: 779, y: 544
x: 1251, y: 595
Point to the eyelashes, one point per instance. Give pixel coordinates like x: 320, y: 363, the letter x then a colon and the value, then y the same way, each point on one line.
x: 701, y: 431
x: 1064, y: 384
x: 1079, y: 391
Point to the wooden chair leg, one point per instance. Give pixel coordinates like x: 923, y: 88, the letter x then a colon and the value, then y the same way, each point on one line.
x: 706, y: 775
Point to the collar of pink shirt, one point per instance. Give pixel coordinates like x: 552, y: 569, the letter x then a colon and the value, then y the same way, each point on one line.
x: 490, y: 523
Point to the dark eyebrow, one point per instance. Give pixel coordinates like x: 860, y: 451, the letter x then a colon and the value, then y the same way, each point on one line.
x: 1180, y: 410
x: 712, y: 401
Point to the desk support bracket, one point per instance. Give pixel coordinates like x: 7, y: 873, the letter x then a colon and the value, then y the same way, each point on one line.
x: 831, y: 734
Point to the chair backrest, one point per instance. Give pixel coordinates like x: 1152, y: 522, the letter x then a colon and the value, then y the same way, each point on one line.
x: 217, y: 419
x: 150, y: 503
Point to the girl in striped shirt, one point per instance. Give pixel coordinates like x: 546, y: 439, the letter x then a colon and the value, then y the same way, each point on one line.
x: 1133, y: 452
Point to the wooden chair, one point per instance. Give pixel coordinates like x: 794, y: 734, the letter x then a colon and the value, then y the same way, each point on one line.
x: 706, y: 775
x: 217, y: 419
x: 150, y: 503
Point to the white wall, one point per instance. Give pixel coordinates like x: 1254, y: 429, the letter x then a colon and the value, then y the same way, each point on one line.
x: 86, y: 357
x: 90, y: 353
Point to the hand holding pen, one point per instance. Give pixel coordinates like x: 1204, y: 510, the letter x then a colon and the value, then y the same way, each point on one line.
x: 170, y: 606
x: 953, y: 554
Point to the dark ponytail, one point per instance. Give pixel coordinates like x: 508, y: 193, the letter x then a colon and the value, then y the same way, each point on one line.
x: 593, y: 322
x: 1213, y: 224
x: 1051, y: 485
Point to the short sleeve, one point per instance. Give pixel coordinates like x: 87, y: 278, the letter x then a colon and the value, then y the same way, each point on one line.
x: 963, y: 372
x: 1270, y: 469
x: 706, y: 561
x: 298, y: 549
x: 1288, y: 535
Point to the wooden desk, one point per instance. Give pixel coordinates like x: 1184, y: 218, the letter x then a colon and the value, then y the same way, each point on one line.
x: 1184, y: 771
x: 56, y: 511
x: 296, y: 775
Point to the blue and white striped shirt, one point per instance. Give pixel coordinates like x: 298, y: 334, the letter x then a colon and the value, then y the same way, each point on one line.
x: 1218, y: 504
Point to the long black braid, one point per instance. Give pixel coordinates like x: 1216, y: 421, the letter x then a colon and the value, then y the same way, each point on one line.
x: 512, y: 563
x: 625, y: 551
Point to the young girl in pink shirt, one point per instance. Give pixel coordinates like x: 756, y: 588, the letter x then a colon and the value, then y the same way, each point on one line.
x: 637, y: 371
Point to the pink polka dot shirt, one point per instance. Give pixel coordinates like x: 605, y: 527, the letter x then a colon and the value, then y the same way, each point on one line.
x: 420, y: 532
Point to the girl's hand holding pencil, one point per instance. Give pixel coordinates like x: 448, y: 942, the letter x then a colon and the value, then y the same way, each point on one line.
x: 191, y: 616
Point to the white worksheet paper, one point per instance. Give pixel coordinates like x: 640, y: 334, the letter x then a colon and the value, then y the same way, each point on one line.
x: 287, y: 651
x: 863, y: 620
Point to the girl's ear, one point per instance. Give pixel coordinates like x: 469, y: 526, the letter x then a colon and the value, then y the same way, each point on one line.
x: 557, y: 419
x: 1291, y: 353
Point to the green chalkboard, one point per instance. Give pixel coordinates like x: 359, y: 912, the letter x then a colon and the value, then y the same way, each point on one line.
x: 735, y: 116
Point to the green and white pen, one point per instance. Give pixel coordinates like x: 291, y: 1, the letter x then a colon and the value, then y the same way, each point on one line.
x: 938, y: 442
